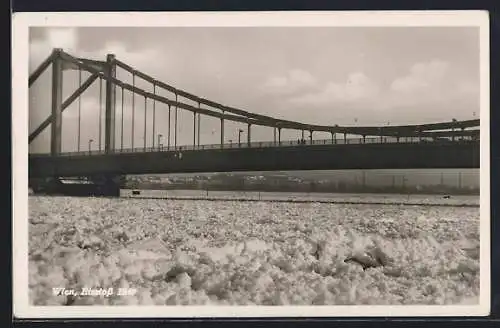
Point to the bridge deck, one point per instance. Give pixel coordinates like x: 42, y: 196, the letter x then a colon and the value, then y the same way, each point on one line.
x: 463, y: 154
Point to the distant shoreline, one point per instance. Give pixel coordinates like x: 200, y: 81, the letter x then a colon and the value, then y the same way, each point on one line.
x: 463, y: 192
x: 302, y: 201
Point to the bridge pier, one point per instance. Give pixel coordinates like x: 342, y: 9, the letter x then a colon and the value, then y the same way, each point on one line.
x: 222, y: 132
x: 249, y: 138
x: 108, y: 186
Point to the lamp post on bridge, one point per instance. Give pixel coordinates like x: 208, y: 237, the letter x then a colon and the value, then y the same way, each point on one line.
x: 356, y: 123
x: 419, y: 133
x: 385, y: 138
x: 240, y: 131
x: 90, y: 145
x: 159, y: 140
x: 454, y: 122
x: 335, y: 134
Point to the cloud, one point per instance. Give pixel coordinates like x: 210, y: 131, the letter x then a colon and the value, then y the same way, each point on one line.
x: 295, y: 81
x: 65, y: 38
x: 422, y: 77
x: 468, y: 88
x: 431, y: 85
x: 68, y: 40
x: 358, y: 87
x: 429, y: 88
x: 139, y: 59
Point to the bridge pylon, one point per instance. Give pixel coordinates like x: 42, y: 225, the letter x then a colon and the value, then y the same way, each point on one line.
x: 56, y: 112
x: 110, y: 111
x: 88, y: 186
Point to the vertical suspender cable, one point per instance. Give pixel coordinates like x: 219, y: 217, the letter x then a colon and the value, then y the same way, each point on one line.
x: 145, y: 120
x: 114, y: 118
x: 194, y: 130
x: 79, y: 107
x: 100, y: 112
x: 154, y: 113
x: 175, y: 123
x: 169, y: 129
x: 222, y: 131
x: 133, y: 108
x: 123, y: 98
x: 199, y: 125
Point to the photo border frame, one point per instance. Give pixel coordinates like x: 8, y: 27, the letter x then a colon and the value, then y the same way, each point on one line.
x: 18, y: 156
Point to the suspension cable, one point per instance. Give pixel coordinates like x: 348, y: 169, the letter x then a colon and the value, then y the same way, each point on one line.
x: 133, y: 109
x: 145, y: 119
x: 121, y: 145
x: 169, y: 129
x: 175, y: 123
x: 194, y: 130
x: 154, y: 113
x: 114, y: 117
x: 100, y: 112
x: 79, y: 107
x: 199, y: 125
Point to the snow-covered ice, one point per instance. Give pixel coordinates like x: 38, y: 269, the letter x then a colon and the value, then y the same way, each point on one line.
x: 185, y: 252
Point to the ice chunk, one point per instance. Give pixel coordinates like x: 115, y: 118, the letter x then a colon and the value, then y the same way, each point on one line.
x: 184, y: 280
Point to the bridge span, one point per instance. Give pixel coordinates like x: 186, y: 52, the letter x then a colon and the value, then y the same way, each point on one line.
x: 450, y: 144
x: 312, y: 157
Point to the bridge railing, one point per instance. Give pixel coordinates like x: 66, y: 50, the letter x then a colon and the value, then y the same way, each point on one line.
x: 268, y: 144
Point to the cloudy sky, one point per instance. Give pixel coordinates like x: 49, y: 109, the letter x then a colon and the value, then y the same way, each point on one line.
x: 327, y: 75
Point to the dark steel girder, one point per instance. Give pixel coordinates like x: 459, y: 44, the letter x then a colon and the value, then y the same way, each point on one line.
x: 153, y: 96
x: 64, y: 105
x: 262, y: 120
x: 96, y: 64
x: 274, y: 122
x: 41, y: 68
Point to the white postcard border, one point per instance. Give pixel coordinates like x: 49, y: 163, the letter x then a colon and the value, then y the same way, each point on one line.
x: 20, y: 54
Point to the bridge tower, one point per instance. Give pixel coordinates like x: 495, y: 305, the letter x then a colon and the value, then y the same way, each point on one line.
x: 57, y: 87
x: 110, y: 112
x: 109, y: 184
x: 103, y: 185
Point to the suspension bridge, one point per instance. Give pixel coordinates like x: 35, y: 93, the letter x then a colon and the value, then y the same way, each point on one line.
x: 453, y: 144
